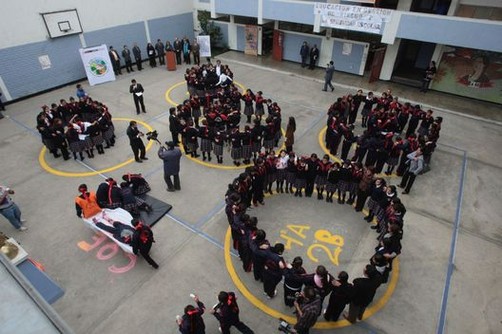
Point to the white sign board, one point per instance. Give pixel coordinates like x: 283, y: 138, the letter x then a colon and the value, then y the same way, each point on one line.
x: 97, y: 64
x: 205, y: 46
x: 358, y: 18
x: 45, y: 62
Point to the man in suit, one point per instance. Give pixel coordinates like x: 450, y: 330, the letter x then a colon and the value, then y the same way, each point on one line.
x: 159, y: 47
x: 178, y: 48
x: 174, y: 125
x: 137, y: 56
x: 126, y: 54
x: 136, y: 89
x: 304, y: 53
x: 115, y: 58
x: 328, y: 76
x: 138, y: 148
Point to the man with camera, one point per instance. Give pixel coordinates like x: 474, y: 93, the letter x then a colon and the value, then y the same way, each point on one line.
x: 171, y: 156
x: 137, y: 146
x: 308, y: 308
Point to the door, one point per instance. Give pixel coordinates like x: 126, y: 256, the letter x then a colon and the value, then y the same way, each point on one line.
x: 376, y: 65
x: 278, y: 45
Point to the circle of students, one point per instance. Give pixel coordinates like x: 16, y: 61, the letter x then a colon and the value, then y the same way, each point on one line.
x: 76, y: 127
x: 391, y: 138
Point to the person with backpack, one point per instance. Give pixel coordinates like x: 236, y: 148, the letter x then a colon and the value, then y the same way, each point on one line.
x: 142, y: 241
x: 227, y: 313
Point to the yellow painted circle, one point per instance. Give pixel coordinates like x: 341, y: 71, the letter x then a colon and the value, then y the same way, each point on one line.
x: 322, y: 134
x: 49, y: 169
x: 375, y: 307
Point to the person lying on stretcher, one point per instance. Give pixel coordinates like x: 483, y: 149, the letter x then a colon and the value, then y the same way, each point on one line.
x: 122, y: 232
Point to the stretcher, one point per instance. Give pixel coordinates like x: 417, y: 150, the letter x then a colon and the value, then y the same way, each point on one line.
x: 119, y: 215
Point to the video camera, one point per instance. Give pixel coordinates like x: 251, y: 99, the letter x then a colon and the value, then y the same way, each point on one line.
x: 153, y: 135
x: 285, y: 327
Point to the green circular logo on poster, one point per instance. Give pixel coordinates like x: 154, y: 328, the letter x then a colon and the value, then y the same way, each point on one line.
x: 98, y: 67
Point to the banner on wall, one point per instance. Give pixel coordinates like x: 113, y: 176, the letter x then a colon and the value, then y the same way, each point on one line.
x: 97, y: 64
x: 470, y: 73
x: 251, y: 33
x: 357, y: 18
x: 205, y: 46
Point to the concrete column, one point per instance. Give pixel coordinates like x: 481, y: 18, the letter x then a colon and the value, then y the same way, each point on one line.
x: 260, y: 12
x: 389, y: 60
x: 453, y: 7
x: 404, y: 5
x: 147, y: 30
x: 232, y: 34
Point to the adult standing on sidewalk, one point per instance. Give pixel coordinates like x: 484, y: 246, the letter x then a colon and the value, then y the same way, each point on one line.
x: 10, y: 210
x: 136, y: 89
x: 137, y: 56
x: 328, y: 76
x: 171, y: 156
x: 126, y: 54
x: 304, y: 53
x: 159, y: 47
x: 314, y: 54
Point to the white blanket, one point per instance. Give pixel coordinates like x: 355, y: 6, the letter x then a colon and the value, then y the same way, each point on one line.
x: 119, y: 215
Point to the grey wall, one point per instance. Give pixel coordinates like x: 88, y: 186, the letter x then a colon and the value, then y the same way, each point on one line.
x: 242, y: 8
x: 167, y: 28
x: 348, y: 63
x: 118, y: 36
x: 438, y: 29
x: 23, y: 74
x: 241, y: 38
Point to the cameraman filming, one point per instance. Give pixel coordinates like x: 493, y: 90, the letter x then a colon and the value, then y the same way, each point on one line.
x: 308, y: 308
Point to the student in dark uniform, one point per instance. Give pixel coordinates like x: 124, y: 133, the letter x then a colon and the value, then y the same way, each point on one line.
x: 191, y: 134
x: 227, y: 312
x: 344, y: 180
x: 138, y: 183
x: 109, y: 195
x: 339, y: 297
x: 206, y: 143
x: 301, y: 176
x: 136, y: 142
x: 272, y: 270
x: 236, y: 145
x: 368, y: 103
x: 142, y: 241
x: 294, y: 276
x: 291, y: 173
x: 256, y: 138
x: 174, y: 125
x: 258, y: 181
x: 357, y: 99
x: 248, y: 97
x: 332, y: 181
x: 247, y: 145
x: 191, y: 322
x: 377, y: 193
x: 324, y: 166
x: 313, y: 167
x: 218, y: 140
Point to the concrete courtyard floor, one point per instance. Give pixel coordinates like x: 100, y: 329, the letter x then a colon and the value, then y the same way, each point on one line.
x: 109, y: 292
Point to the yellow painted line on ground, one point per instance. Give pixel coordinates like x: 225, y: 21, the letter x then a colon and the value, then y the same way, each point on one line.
x: 49, y: 169
x: 374, y: 308
x: 322, y: 134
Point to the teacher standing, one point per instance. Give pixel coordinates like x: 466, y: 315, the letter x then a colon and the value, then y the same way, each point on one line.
x: 136, y: 89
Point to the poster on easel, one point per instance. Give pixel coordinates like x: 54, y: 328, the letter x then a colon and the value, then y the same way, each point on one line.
x: 205, y: 45
x: 251, y: 33
x: 97, y: 64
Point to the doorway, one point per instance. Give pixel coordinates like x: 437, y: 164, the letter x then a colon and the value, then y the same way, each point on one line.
x: 267, y: 38
x: 412, y: 59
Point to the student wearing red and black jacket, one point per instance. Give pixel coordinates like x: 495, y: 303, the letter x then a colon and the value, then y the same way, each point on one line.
x: 142, y: 241
x: 227, y: 312
x: 191, y: 322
